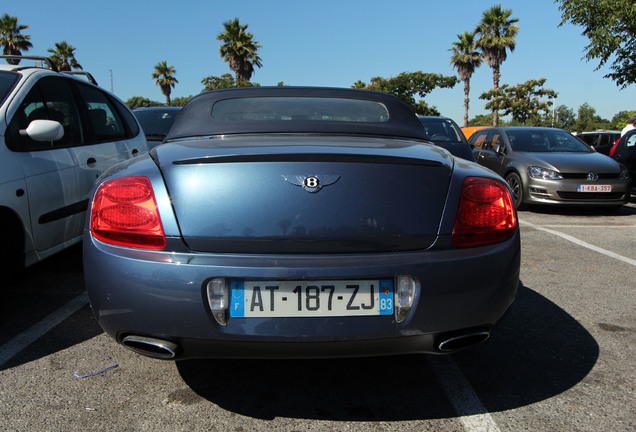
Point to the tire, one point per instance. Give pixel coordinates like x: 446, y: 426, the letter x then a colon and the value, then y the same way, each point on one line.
x: 516, y: 189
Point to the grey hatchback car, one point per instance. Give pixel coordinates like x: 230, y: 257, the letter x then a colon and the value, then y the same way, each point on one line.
x: 551, y: 166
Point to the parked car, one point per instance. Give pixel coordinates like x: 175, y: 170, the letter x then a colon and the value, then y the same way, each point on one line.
x: 59, y: 133
x: 468, y: 131
x: 279, y: 222
x: 551, y: 166
x: 602, y: 140
x: 444, y: 132
x: 625, y: 153
x: 156, y: 122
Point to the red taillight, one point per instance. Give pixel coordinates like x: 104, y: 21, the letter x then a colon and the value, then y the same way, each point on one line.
x: 486, y: 213
x: 125, y: 213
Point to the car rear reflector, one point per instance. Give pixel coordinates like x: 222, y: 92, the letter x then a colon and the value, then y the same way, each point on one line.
x: 486, y: 213
x: 125, y: 213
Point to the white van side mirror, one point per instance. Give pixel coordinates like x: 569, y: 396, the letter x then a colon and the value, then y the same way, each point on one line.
x: 44, y: 130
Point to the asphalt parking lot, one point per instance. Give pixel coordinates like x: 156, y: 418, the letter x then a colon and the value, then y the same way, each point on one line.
x: 562, y: 359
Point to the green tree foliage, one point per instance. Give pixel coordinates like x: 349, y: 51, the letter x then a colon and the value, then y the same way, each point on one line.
x: 587, y: 120
x: 465, y: 59
x: 565, y: 118
x: 522, y: 101
x: 408, y: 85
x: 619, y: 121
x: 496, y: 34
x: 165, y: 79
x: 63, y: 56
x: 224, y: 81
x: 181, y: 101
x: 138, y: 102
x: 239, y: 49
x: 610, y: 26
x: 12, y: 41
x: 481, y: 120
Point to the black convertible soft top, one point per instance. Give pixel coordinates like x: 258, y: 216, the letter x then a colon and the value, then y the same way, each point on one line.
x: 311, y: 110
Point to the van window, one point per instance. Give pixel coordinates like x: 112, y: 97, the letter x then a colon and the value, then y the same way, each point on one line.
x: 104, y: 121
x: 132, y: 128
x: 50, y: 99
x: 7, y: 81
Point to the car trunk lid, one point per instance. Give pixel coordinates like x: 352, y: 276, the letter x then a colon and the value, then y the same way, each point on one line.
x: 306, y: 196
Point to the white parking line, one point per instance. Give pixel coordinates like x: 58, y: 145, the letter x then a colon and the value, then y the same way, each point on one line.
x: 32, y: 334
x: 589, y: 226
x: 473, y: 414
x: 580, y: 243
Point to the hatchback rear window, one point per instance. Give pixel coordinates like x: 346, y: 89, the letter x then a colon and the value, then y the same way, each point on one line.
x: 300, y: 109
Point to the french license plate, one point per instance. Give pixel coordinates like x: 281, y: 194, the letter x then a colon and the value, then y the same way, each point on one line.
x: 594, y: 188
x: 318, y: 298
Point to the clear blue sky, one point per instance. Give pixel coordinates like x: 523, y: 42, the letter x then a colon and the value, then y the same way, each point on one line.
x: 316, y: 43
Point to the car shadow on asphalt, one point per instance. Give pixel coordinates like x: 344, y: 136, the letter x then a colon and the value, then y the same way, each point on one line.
x: 536, y: 352
x: 29, y: 297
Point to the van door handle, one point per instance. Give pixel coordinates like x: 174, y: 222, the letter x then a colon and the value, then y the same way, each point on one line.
x: 91, y: 161
x: 135, y: 152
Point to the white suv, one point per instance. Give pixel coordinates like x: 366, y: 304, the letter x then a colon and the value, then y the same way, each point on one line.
x: 58, y: 134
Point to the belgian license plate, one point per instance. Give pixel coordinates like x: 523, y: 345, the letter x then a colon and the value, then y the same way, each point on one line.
x: 317, y: 298
x: 594, y: 188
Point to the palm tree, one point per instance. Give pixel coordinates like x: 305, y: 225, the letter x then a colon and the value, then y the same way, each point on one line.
x: 63, y: 56
x: 13, y: 43
x: 239, y: 49
x: 164, y: 76
x: 465, y: 59
x: 497, y: 33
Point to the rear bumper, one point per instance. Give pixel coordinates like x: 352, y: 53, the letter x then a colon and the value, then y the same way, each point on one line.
x: 427, y: 343
x: 162, y: 295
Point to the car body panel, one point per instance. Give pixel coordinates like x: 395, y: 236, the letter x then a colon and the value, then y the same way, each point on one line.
x: 353, y: 210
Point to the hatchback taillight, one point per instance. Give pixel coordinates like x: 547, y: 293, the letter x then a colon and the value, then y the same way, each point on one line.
x: 125, y: 213
x: 486, y: 213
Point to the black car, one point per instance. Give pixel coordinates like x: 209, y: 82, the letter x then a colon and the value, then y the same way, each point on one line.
x: 602, y: 140
x: 625, y: 153
x: 156, y: 122
x: 444, y: 132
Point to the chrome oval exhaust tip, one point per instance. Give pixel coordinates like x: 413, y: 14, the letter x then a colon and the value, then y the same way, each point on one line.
x: 462, y: 341
x: 151, y: 347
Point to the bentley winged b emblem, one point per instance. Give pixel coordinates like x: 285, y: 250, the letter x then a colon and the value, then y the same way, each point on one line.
x: 313, y: 183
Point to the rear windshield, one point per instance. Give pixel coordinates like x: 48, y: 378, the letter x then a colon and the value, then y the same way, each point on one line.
x: 7, y: 81
x: 300, y: 109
